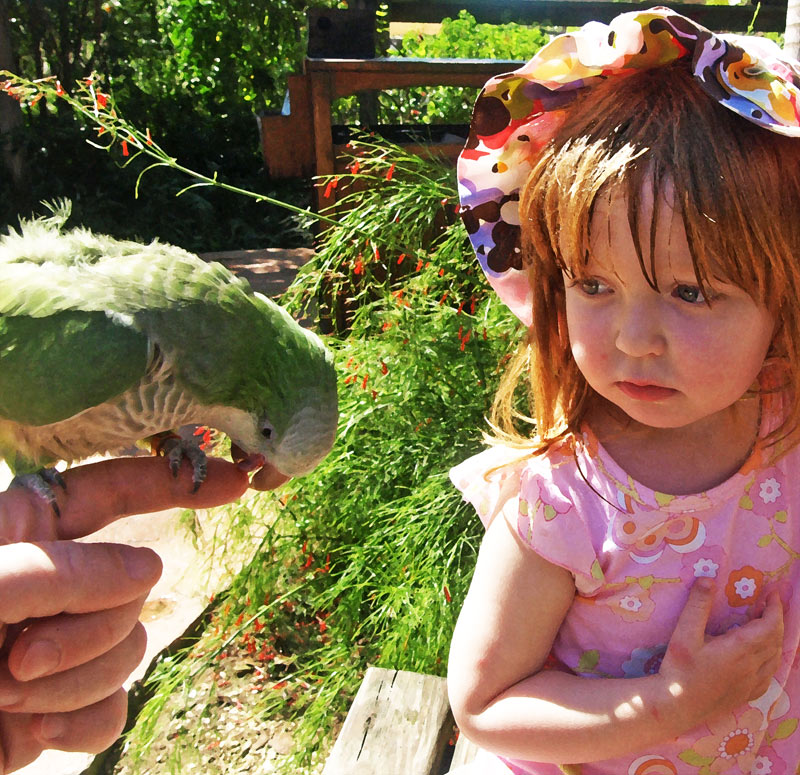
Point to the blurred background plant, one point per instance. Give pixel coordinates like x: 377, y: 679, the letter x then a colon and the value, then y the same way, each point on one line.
x: 197, y: 74
x: 190, y: 68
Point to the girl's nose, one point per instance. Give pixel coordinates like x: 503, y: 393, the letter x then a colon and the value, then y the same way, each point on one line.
x: 640, y: 331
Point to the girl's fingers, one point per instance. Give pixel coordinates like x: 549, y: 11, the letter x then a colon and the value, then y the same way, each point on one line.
x: 83, y: 685
x: 690, y: 629
x: 60, y: 643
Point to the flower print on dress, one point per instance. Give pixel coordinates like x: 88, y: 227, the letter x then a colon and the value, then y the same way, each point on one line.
x: 744, y: 586
x: 734, y: 741
x: 646, y: 543
x: 766, y: 495
x: 767, y: 763
x: 632, y: 601
x: 644, y: 661
x: 773, y: 704
x: 652, y: 764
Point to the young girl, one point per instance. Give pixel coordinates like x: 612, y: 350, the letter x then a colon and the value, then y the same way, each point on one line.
x: 633, y: 609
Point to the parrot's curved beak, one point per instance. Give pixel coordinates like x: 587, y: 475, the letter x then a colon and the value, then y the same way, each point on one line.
x: 266, y: 476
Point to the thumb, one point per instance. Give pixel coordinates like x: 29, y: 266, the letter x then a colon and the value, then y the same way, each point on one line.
x: 690, y: 628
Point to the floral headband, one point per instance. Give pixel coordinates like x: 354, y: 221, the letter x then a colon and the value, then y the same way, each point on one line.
x: 517, y: 113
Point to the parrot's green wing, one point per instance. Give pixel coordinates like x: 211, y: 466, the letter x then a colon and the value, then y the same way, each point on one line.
x: 54, y: 367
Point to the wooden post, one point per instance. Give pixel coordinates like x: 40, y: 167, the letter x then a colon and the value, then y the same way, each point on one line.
x: 321, y: 96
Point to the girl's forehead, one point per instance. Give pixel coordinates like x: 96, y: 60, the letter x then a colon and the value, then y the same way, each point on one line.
x: 648, y: 228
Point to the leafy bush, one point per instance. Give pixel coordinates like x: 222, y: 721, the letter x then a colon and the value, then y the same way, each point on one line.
x: 462, y: 37
x: 368, y: 558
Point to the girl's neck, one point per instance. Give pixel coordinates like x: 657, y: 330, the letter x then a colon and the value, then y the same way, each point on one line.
x: 679, y: 461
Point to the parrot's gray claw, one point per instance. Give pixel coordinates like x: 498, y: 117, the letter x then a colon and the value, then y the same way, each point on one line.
x: 42, y: 484
x: 176, y: 450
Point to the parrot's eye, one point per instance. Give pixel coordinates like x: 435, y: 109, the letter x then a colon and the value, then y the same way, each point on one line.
x: 266, y: 432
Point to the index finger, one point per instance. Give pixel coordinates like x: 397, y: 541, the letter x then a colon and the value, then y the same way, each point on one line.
x: 99, y: 493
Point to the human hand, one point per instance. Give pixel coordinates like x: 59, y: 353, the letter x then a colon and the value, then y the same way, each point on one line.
x: 709, y: 676
x: 69, y: 629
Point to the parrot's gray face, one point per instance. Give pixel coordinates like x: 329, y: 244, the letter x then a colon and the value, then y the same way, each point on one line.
x: 308, y: 437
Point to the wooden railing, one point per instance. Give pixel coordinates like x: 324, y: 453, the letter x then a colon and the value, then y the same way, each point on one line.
x: 300, y: 143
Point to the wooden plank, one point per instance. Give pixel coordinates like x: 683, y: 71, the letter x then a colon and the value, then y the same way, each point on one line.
x: 349, y: 76
x: 399, y: 724
x: 464, y: 753
x: 566, y: 13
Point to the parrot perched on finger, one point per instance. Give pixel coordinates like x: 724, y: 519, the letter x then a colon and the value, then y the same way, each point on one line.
x: 104, y: 343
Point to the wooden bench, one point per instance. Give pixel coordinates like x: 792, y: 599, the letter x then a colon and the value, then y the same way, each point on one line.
x: 399, y: 724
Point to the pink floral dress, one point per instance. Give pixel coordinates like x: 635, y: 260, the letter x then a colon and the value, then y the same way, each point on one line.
x: 635, y: 553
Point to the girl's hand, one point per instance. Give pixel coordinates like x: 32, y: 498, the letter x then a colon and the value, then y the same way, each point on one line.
x: 711, y: 675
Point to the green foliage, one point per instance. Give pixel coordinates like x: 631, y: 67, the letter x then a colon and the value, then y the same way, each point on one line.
x: 462, y: 37
x: 369, y: 557
x: 192, y: 71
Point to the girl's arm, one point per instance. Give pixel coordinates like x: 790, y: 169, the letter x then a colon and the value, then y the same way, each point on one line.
x: 505, y: 703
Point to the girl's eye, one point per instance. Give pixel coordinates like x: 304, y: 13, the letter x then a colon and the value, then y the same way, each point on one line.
x: 689, y: 293
x: 591, y: 286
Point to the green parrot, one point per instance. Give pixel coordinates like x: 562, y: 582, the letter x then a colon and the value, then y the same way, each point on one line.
x: 104, y: 343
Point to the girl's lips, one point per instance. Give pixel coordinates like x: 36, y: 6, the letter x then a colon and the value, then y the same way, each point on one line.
x: 646, y: 392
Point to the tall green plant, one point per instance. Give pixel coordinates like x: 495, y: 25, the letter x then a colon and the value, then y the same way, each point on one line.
x: 369, y: 557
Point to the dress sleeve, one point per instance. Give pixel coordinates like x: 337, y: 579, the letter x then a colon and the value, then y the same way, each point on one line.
x: 537, y: 500
x: 550, y: 522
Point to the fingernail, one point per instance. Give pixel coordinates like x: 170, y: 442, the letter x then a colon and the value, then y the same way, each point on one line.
x: 41, y: 658
x: 53, y: 727
x: 140, y: 563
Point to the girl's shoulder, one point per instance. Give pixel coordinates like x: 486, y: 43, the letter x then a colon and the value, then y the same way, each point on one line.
x: 492, y: 479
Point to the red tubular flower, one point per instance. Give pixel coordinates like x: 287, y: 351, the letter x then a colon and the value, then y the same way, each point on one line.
x: 149, y: 138
x: 359, y: 267
x: 375, y: 253
x: 390, y: 172
x: 384, y: 368
x: 101, y: 100
x: 125, y: 151
x: 419, y: 265
x: 444, y: 296
x: 447, y: 594
x: 401, y: 259
x: 441, y: 272
x: 364, y: 383
x: 59, y: 89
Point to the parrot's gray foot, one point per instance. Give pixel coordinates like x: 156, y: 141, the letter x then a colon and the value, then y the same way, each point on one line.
x: 176, y: 449
x: 42, y: 484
